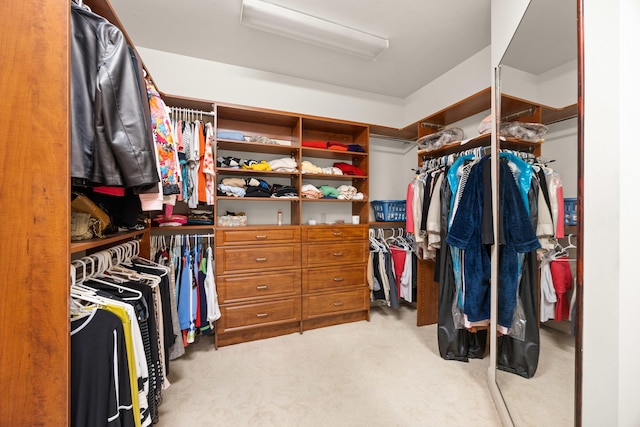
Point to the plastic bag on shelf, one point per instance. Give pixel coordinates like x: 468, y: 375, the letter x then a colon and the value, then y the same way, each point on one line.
x: 532, y: 132
x: 485, y: 125
x: 440, y: 139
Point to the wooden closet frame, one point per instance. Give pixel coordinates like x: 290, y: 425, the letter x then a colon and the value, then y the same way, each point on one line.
x: 35, y: 212
x: 35, y: 254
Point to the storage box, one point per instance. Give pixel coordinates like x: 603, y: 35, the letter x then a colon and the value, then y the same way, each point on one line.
x: 570, y: 211
x: 232, y: 221
x: 390, y: 210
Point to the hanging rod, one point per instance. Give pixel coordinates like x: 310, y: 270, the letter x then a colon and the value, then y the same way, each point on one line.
x: 391, y: 138
x: 526, y: 112
x: 181, y: 110
x: 426, y: 125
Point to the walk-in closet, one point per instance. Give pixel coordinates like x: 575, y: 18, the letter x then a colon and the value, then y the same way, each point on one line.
x: 218, y: 214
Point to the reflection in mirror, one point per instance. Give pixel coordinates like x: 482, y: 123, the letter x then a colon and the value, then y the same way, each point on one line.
x: 540, y: 66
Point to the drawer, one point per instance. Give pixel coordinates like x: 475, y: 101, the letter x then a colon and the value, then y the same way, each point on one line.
x: 326, y: 254
x: 334, y: 278
x: 318, y: 233
x: 334, y: 303
x: 256, y: 286
x: 257, y: 235
x: 262, y: 313
x: 231, y: 260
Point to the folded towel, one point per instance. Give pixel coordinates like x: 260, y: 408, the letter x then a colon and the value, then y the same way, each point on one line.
x: 315, y: 144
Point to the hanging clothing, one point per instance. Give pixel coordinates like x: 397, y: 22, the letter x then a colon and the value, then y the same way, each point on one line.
x: 519, y: 237
x: 562, y: 283
x: 548, y: 297
x: 166, y: 148
x: 208, y: 166
x: 109, y: 136
x: 101, y: 392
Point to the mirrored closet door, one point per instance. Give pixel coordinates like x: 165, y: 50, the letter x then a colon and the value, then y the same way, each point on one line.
x: 539, y: 84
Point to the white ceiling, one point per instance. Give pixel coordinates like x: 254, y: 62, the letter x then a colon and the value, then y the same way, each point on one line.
x: 427, y: 38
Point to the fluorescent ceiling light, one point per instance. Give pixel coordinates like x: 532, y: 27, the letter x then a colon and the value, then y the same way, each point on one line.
x: 299, y: 26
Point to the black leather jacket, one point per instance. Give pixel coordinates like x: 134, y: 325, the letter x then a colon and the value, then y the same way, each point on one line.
x: 110, y: 142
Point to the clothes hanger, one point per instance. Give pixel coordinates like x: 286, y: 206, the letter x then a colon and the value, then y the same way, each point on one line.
x: 561, y: 251
x: 77, y: 310
x: 101, y: 262
x: 570, y: 245
x: 373, y: 242
x: 92, y: 299
x: 120, y: 288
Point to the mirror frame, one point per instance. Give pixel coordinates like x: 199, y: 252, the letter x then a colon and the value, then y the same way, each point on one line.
x: 580, y: 208
x: 498, y: 399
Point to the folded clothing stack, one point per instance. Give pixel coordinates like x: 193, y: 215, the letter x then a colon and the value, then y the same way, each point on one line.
x: 284, y: 191
x: 310, y: 191
x: 285, y: 164
x: 333, y: 145
x: 348, y: 169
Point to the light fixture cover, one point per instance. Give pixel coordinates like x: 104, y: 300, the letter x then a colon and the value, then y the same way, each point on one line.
x: 300, y: 26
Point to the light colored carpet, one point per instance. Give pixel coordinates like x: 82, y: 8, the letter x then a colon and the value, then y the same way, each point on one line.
x: 386, y: 372
x: 547, y: 398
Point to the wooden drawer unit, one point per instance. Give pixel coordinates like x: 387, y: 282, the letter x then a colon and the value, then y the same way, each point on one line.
x: 235, y: 317
x: 334, y: 275
x: 319, y: 305
x: 258, y: 279
x: 257, y: 235
x: 334, y: 253
x: 333, y: 278
x: 339, y: 233
x: 244, y: 259
x: 244, y: 287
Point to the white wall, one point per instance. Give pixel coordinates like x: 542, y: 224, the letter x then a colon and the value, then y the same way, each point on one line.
x: 611, y: 372
x: 559, y: 87
x: 390, y: 168
x: 629, y: 374
x: 518, y: 83
x: 505, y: 18
x: 555, y: 88
x: 462, y: 81
x: 201, y: 79
x: 561, y: 145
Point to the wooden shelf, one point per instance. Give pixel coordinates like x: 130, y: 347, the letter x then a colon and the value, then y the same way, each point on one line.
x: 181, y: 229
x: 312, y: 176
x: 475, y: 104
x: 260, y: 199
x: 263, y: 116
x: 236, y: 171
x: 387, y: 224
x: 335, y: 200
x: 481, y: 141
x: 324, y: 153
x: 85, y: 245
x: 256, y: 147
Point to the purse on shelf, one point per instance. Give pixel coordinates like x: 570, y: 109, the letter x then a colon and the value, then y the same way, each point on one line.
x: 82, y: 226
x: 83, y: 204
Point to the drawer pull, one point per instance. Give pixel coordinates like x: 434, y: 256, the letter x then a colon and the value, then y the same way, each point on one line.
x: 337, y: 254
x: 261, y: 237
x: 262, y: 287
x: 337, y: 233
x: 338, y: 279
x: 261, y: 259
x: 262, y: 314
x: 338, y: 303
